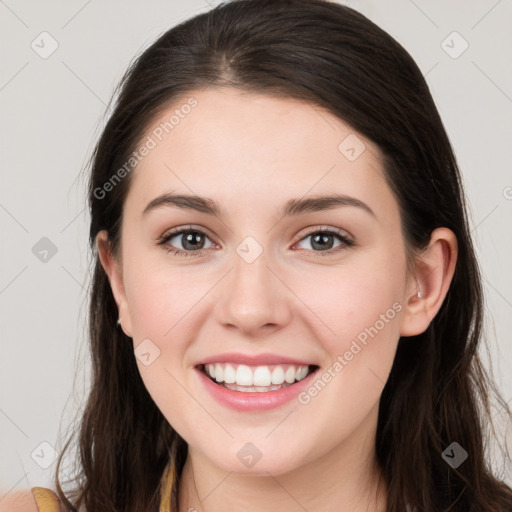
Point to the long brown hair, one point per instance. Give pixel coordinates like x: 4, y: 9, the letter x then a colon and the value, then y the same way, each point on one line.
x: 438, y: 391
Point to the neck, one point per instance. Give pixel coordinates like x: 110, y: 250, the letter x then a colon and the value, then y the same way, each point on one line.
x: 344, y: 479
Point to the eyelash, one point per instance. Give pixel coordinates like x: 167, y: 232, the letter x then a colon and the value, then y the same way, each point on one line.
x: 190, y: 229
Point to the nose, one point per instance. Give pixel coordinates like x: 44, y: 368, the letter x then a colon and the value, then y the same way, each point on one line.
x: 253, y: 298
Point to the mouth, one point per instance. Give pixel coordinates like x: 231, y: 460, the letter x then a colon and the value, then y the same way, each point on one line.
x: 256, y: 379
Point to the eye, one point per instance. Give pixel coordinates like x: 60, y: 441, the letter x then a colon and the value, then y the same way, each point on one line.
x: 323, y: 240
x: 191, y: 239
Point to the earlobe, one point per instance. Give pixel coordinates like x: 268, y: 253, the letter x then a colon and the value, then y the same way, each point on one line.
x: 114, y: 274
x: 434, y: 271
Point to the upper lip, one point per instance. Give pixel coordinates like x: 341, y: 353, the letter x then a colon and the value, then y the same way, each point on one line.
x: 252, y: 360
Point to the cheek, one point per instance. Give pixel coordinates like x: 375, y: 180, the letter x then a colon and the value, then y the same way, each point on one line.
x: 164, y: 303
x: 162, y: 311
x: 360, y: 314
x: 159, y: 298
x: 356, y: 302
x: 360, y: 311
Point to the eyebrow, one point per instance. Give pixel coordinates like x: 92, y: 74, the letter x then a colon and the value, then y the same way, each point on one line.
x: 293, y: 207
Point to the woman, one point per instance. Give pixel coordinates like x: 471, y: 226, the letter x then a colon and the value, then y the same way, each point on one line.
x: 320, y: 346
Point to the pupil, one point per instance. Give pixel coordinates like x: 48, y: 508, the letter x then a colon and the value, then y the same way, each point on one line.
x: 322, y: 237
x: 192, y: 238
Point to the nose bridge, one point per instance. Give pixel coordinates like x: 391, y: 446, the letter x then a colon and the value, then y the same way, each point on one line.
x: 252, y: 297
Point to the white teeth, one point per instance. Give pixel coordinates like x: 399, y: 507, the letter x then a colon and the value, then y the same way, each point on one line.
x: 289, y: 375
x: 218, y: 372
x: 229, y: 374
x: 252, y: 389
x: 258, y: 377
x: 244, y: 375
x: 261, y: 376
x: 278, y: 375
x: 301, y: 372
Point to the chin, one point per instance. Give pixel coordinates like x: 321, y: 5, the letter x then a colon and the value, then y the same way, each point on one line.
x: 261, y: 464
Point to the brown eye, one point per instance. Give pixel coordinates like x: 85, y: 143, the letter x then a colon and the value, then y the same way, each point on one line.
x: 322, y: 241
x: 192, y: 241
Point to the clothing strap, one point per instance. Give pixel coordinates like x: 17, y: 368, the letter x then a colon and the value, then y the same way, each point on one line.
x: 167, y: 482
x: 46, y: 499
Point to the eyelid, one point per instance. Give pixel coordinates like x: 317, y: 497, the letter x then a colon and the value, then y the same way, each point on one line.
x: 314, y: 229
x: 309, y: 230
x: 162, y: 240
x: 346, y: 239
x: 176, y: 231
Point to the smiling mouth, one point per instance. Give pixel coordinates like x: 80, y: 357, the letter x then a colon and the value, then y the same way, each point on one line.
x: 293, y: 375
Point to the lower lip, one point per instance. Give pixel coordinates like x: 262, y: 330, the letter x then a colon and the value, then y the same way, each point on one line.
x: 254, y: 401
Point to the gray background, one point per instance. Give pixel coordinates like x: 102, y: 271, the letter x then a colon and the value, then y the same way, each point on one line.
x: 52, y: 112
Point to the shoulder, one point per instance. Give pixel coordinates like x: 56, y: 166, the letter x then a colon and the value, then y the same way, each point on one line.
x: 21, y: 501
x: 36, y: 499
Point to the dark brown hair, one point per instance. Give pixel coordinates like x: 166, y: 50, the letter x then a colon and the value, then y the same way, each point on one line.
x: 438, y: 390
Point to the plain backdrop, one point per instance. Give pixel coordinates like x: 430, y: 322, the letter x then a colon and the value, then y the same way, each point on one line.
x: 53, y: 107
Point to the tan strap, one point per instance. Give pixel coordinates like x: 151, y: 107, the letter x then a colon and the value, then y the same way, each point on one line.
x: 166, y: 487
x: 46, y: 499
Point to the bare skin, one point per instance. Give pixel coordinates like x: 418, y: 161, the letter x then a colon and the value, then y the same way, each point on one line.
x: 252, y: 153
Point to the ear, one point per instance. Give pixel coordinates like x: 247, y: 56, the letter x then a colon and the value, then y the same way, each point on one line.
x: 433, y: 274
x: 115, y: 277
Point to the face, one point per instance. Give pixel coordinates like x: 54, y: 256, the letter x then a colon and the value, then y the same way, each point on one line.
x: 320, y: 286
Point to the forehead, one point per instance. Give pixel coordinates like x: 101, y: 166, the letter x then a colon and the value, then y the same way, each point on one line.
x: 242, y: 148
